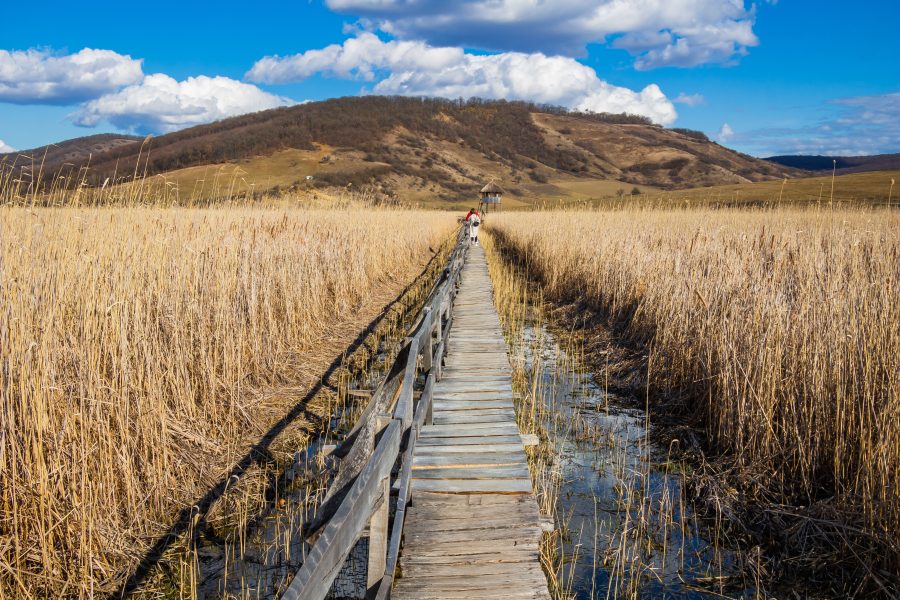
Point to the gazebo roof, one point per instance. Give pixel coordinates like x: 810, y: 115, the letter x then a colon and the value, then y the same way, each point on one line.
x: 492, y: 188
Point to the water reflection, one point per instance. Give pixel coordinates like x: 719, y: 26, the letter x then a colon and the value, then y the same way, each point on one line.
x: 628, y: 530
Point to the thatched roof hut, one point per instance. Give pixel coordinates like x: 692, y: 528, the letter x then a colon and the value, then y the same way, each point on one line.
x: 492, y: 189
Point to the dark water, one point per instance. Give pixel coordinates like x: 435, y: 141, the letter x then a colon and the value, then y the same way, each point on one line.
x: 627, y: 529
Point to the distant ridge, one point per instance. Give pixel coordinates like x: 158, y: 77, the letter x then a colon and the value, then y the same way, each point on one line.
x: 74, y: 151
x: 844, y: 164
x: 424, y: 148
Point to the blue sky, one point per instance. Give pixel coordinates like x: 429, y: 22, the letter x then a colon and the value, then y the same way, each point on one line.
x: 766, y: 78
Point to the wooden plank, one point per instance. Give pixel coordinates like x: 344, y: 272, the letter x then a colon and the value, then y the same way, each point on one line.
x: 460, y: 460
x: 473, y: 386
x: 485, y: 417
x: 472, y: 486
x: 469, y: 430
x: 515, y: 555
x: 519, y: 471
x: 476, y: 446
x: 503, y: 546
x: 455, y: 405
x: 472, y: 515
x: 526, y: 579
x: 456, y: 570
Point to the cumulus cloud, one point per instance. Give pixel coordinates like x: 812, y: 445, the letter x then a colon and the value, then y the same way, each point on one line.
x: 4, y: 147
x: 689, y: 99
x: 417, y: 69
x: 861, y: 125
x: 41, y: 77
x: 160, y: 104
x: 725, y: 133
x: 658, y: 33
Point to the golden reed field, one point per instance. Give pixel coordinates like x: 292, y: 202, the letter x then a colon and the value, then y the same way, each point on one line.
x: 781, y: 327
x: 134, y: 346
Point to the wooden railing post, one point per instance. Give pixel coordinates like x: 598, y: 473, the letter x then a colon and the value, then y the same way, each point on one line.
x: 378, y: 537
x: 427, y: 341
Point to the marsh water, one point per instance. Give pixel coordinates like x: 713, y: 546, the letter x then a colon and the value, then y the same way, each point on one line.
x: 627, y: 529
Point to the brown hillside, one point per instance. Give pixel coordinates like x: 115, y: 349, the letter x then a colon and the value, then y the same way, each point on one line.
x: 421, y: 149
x: 78, y: 150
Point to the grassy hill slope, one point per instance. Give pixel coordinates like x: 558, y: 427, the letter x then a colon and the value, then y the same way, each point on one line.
x: 428, y: 150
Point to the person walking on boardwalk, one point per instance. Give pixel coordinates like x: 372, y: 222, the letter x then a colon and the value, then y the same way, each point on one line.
x: 473, y: 220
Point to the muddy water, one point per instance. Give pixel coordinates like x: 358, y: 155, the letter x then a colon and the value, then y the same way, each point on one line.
x: 626, y: 527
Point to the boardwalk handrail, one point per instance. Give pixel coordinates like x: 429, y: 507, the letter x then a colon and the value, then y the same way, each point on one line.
x: 367, y: 500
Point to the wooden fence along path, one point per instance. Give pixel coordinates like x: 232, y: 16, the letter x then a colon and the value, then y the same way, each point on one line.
x: 465, y: 511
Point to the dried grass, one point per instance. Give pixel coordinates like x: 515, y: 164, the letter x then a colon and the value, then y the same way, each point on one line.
x: 781, y: 328
x: 135, y: 346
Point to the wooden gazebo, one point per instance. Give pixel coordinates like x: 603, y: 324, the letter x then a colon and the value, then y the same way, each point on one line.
x: 491, y: 194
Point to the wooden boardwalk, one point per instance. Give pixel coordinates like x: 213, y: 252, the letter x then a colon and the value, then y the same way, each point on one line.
x: 473, y: 526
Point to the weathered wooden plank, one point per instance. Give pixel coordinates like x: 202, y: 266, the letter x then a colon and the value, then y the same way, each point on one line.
x: 477, y: 408
x: 482, y: 430
x: 473, y: 472
x: 470, y: 405
x: 470, y: 460
x: 455, y: 570
x: 485, y: 417
x: 526, y: 579
x: 475, y: 446
x: 472, y: 486
x: 481, y: 419
x: 515, y: 555
x: 474, y: 386
x: 474, y: 516
x: 503, y: 546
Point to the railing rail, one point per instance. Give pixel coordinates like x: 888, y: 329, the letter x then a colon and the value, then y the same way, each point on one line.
x: 396, y: 430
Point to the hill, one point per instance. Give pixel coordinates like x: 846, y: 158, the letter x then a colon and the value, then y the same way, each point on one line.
x: 845, y: 164
x: 871, y: 188
x: 422, y: 149
x: 75, y: 151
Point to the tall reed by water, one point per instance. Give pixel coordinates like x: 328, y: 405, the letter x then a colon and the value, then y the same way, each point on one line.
x: 781, y: 328
x: 134, y: 349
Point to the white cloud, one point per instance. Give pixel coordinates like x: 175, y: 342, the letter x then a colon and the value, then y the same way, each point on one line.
x: 417, y: 69
x: 39, y: 76
x: 4, y: 147
x: 690, y: 99
x: 160, y: 104
x: 725, y: 133
x: 657, y: 32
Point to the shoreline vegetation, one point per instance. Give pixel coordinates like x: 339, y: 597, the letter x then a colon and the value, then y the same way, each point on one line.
x: 143, y: 350
x: 777, y: 333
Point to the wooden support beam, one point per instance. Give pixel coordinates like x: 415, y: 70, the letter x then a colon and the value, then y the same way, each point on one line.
x: 378, y: 536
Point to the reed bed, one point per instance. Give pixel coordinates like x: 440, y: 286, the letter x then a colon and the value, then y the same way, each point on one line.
x: 781, y: 329
x: 135, y: 349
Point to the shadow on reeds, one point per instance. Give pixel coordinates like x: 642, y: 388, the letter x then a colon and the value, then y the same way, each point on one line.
x: 259, y: 453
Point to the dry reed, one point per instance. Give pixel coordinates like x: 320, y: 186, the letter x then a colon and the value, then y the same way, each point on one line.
x: 132, y: 347
x: 782, y: 327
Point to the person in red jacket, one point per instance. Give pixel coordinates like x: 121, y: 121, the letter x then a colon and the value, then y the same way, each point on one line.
x: 473, y: 220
